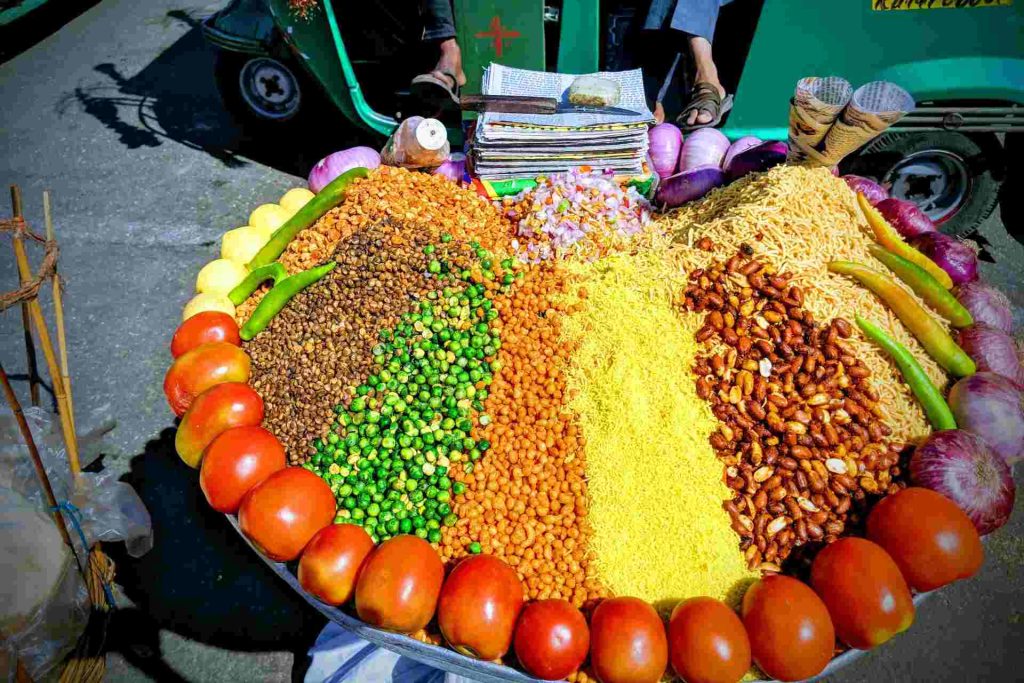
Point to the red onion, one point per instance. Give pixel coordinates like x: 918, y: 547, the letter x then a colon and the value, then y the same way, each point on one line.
x: 950, y: 254
x: 990, y: 406
x: 755, y: 159
x: 871, y: 190
x: 703, y: 147
x: 962, y: 467
x: 665, y: 142
x: 739, y: 146
x: 908, y: 220
x: 453, y: 168
x: 688, y: 185
x: 333, y: 165
x: 993, y: 351
x: 987, y: 305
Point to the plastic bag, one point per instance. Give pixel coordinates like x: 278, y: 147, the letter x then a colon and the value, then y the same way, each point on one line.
x: 418, y: 143
x: 594, y: 91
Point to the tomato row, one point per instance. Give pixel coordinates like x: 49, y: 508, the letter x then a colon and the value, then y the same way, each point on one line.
x: 859, y: 589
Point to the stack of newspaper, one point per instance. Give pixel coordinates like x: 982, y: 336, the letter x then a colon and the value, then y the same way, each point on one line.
x: 507, y: 146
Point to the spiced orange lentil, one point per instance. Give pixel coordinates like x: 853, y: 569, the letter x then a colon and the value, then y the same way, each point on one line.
x: 525, y: 501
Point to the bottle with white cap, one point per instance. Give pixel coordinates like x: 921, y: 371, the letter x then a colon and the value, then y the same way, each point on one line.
x: 418, y: 143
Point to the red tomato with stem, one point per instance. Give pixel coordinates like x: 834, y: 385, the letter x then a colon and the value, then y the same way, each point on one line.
x: 205, y: 328
x: 627, y: 642
x: 930, y: 538
x: 283, y: 512
x: 235, y: 461
x: 865, y: 594
x: 478, y: 607
x: 791, y: 633
x: 707, y: 642
x: 216, y: 410
x: 331, y: 562
x: 201, y: 368
x: 551, y: 639
x: 399, y: 585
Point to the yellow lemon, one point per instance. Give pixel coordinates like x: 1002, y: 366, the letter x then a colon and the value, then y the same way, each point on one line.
x: 220, y: 276
x: 241, y: 244
x: 295, y: 198
x: 205, y: 301
x: 269, y: 215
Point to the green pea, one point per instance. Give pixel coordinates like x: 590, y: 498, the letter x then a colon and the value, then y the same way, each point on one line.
x: 405, y: 526
x: 474, y: 548
x: 450, y: 520
x: 458, y: 488
x: 434, y: 536
x: 421, y: 533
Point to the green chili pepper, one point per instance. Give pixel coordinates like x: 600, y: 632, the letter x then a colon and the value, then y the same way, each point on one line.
x: 935, y: 406
x: 926, y: 286
x: 276, y: 299
x: 272, y: 271
x: 935, y: 340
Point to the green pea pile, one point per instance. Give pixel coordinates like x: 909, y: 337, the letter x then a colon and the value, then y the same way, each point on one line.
x: 388, y: 455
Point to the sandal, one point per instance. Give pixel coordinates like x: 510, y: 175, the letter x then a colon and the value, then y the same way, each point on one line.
x: 437, y: 90
x: 704, y: 97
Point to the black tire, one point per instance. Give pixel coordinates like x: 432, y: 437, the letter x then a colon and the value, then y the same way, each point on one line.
x: 289, y: 92
x: 977, y: 164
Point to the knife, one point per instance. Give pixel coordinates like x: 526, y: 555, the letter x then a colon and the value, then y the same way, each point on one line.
x: 519, y: 104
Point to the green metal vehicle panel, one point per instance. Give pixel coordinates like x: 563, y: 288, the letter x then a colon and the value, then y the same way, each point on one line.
x: 502, y: 31
x: 936, y: 54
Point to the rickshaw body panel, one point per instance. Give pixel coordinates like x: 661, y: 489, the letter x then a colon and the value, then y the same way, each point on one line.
x: 936, y: 54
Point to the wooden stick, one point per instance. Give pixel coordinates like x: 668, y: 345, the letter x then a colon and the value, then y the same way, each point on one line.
x: 58, y: 310
x: 30, y: 347
x: 36, y: 312
x: 37, y: 462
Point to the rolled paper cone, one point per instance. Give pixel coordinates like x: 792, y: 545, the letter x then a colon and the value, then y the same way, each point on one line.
x: 874, y: 107
x: 815, y: 106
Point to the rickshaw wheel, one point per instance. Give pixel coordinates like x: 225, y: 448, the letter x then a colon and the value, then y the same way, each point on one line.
x: 258, y: 90
x: 950, y: 176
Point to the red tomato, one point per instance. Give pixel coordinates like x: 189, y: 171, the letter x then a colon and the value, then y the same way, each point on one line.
x: 478, y: 607
x: 707, y: 642
x: 216, y: 410
x: 866, y: 596
x: 627, y: 642
x: 551, y: 639
x: 331, y: 562
x: 199, y: 369
x: 234, y: 462
x: 399, y: 584
x: 931, y: 539
x: 281, y: 513
x: 205, y: 328
x: 791, y: 634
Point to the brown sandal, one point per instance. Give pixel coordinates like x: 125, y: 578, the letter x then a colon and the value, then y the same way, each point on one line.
x: 435, y: 91
x: 704, y: 97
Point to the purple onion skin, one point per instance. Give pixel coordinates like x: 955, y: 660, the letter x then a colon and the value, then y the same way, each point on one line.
x: 739, y: 146
x: 755, y: 159
x: 962, y: 467
x: 994, y: 351
x: 990, y: 406
x: 871, y: 190
x: 908, y: 220
x: 665, y: 142
x: 950, y: 254
x: 987, y: 305
x: 688, y: 186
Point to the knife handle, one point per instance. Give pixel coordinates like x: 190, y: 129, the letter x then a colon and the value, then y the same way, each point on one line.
x: 510, y: 104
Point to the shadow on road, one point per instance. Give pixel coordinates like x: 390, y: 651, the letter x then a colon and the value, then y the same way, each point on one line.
x: 200, y: 580
x: 175, y: 98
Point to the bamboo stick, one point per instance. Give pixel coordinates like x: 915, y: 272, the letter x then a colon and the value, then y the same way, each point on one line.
x: 30, y: 347
x: 37, y: 461
x: 58, y: 309
x: 36, y: 313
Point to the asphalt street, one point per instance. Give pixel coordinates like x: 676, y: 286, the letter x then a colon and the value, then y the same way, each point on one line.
x: 116, y: 113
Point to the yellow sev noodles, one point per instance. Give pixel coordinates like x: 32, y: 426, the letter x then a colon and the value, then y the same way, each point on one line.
x: 806, y: 218
x: 655, y: 485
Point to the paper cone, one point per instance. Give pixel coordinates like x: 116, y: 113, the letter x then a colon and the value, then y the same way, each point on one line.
x: 815, y: 106
x: 874, y: 107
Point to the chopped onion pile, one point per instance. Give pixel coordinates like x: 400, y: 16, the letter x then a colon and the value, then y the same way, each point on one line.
x: 582, y: 209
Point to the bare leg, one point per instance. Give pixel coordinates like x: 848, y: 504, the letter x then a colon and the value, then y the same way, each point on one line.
x: 451, y: 60
x: 706, y: 72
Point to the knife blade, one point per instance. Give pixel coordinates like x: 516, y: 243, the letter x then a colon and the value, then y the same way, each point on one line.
x: 521, y: 104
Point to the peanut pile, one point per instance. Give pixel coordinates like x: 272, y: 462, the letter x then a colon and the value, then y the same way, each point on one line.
x: 802, y: 436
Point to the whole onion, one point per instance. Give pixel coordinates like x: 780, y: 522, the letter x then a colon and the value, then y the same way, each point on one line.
x: 871, y: 190
x: 993, y: 350
x: 987, y: 305
x: 703, y: 147
x: 962, y: 467
x: 665, y: 141
x: 756, y: 159
x: 739, y: 146
x: 990, y: 406
x: 950, y: 254
x: 688, y: 186
x: 333, y: 165
x: 908, y: 220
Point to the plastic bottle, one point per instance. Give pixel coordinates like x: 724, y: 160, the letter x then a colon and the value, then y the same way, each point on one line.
x: 417, y: 143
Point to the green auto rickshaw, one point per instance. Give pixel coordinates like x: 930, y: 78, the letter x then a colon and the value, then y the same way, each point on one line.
x: 962, y: 60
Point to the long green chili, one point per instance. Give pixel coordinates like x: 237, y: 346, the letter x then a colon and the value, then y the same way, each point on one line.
x: 925, y: 286
x: 935, y: 406
x: 276, y: 299
x: 272, y: 271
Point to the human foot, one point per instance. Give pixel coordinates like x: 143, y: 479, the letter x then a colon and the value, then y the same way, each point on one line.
x: 701, y: 112
x: 450, y: 63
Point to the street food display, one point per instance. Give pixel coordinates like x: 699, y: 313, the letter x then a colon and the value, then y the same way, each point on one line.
x: 587, y: 435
